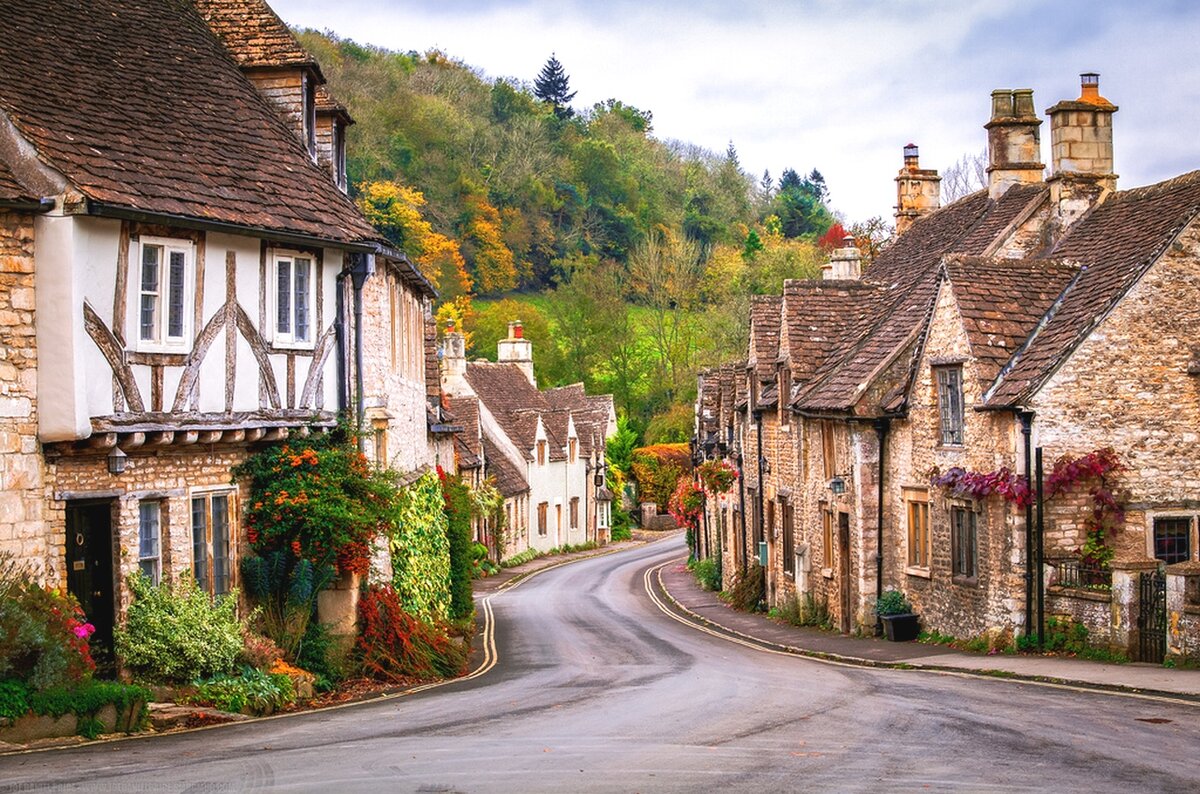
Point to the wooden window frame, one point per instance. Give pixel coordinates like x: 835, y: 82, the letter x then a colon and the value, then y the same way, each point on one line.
x: 827, y: 541
x: 948, y: 381
x: 964, y: 544
x: 541, y: 453
x: 571, y: 449
x: 1189, y: 546
x: 828, y: 450
x: 789, y: 537
x: 916, y: 516
x: 290, y: 337
x: 204, y: 558
x: 150, y: 515
x: 574, y: 512
x: 785, y: 391
x: 166, y: 284
x: 543, y: 518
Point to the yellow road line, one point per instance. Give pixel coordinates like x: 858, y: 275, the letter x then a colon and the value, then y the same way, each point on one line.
x: 737, y: 638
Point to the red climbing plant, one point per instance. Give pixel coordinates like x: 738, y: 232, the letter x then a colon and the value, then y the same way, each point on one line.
x: 717, y: 476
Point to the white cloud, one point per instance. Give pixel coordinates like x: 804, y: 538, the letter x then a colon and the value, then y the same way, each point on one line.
x: 834, y: 85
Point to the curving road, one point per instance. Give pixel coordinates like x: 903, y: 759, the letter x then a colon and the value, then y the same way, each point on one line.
x: 596, y: 689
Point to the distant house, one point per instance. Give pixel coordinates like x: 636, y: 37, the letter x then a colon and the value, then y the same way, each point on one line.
x: 544, y: 447
x: 181, y: 281
x: 1057, y: 314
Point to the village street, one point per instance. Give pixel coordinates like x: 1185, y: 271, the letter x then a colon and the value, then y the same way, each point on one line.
x: 596, y: 689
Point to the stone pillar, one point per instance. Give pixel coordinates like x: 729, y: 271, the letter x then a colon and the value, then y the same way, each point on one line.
x: 1183, y: 610
x: 337, y: 607
x: 1126, y: 602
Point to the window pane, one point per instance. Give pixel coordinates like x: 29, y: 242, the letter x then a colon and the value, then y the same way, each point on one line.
x: 148, y: 539
x: 303, y: 266
x: 148, y: 309
x: 200, y: 542
x: 283, y: 314
x: 151, y: 256
x: 175, y: 296
x: 1172, y: 539
x: 220, y: 543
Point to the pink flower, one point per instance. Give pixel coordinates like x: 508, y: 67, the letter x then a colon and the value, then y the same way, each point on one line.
x: 84, y: 630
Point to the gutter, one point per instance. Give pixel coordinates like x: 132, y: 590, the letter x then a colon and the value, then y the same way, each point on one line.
x: 39, y: 206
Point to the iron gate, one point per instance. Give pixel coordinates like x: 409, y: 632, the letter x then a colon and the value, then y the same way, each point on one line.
x: 1152, y: 617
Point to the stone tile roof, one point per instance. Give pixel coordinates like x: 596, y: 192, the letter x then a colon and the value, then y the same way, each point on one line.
x: 327, y: 103
x: 509, y: 481
x: 11, y: 189
x: 142, y: 108
x: 1001, y: 302
x: 1115, y: 243
x: 468, y: 442
x: 907, y: 274
x: 254, y: 34
x: 511, y: 398
x: 821, y: 317
x: 764, y: 334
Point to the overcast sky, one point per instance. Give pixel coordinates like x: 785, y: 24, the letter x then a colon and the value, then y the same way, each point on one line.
x: 838, y: 86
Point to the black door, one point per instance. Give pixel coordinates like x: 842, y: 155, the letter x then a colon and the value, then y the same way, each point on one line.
x: 90, y: 573
x: 844, y: 566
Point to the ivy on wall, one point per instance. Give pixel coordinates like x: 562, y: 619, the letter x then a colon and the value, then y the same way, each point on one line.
x: 420, y: 550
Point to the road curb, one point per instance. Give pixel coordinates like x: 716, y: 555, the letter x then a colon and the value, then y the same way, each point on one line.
x: 858, y: 661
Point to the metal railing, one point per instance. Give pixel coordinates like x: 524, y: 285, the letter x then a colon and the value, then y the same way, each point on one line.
x: 1077, y: 573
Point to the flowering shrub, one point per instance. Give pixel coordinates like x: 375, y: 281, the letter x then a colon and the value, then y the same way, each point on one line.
x: 717, y: 476
x: 320, y: 499
x: 395, y: 646
x: 657, y: 468
x: 43, y: 633
x: 176, y: 632
x: 686, y: 503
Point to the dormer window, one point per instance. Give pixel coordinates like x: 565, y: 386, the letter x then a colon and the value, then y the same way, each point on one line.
x: 310, y: 114
x: 163, y: 294
x: 293, y: 299
x: 339, y: 155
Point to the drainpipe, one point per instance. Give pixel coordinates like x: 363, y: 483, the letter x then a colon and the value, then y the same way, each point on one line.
x: 340, y: 335
x: 362, y: 267
x: 1041, y: 525
x: 758, y: 508
x: 882, y: 425
x: 1026, y: 418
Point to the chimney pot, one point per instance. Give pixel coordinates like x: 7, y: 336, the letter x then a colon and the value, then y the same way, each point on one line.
x: 1023, y: 102
x: 1002, y: 103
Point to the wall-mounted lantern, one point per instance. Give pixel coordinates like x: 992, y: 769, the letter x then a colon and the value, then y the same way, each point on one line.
x: 117, y: 461
x: 837, y: 485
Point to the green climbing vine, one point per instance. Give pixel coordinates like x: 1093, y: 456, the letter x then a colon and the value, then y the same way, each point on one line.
x: 421, y: 550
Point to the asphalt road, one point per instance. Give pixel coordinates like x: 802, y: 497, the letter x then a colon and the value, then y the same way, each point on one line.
x: 595, y: 689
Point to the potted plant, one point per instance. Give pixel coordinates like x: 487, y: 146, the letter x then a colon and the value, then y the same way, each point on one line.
x: 899, y: 621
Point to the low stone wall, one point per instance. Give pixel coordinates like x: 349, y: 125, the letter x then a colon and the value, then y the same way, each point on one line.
x: 1092, y: 608
x: 33, y: 727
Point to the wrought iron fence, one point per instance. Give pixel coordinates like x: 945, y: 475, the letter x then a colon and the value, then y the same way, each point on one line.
x: 1077, y: 573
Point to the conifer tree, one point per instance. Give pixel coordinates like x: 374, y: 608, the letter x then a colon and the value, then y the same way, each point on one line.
x: 553, y: 85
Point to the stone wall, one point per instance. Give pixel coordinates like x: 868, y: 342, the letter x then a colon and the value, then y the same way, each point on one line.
x: 1092, y: 608
x: 1127, y: 387
x: 22, y: 470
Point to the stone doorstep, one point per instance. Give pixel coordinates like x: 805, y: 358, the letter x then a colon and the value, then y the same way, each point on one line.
x: 170, y: 716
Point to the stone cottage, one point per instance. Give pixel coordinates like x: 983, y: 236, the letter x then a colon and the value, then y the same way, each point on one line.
x: 182, y: 280
x: 545, y: 448
x: 1056, y: 314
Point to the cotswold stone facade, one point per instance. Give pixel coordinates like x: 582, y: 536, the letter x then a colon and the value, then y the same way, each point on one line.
x: 1064, y: 309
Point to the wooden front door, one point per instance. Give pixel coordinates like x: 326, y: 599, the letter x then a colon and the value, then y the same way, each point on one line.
x: 90, y: 573
x: 844, y: 572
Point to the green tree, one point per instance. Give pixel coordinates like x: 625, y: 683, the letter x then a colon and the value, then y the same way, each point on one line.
x: 553, y: 85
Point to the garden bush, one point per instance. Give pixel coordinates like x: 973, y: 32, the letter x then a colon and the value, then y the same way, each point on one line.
x: 707, y: 573
x: 657, y: 468
x: 749, y: 589
x: 457, y: 496
x: 804, y: 610
x: 176, y: 632
x: 43, y: 633
x: 253, y: 691
x: 395, y: 646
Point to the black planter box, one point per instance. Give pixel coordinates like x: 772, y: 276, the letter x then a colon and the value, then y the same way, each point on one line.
x: 901, y: 628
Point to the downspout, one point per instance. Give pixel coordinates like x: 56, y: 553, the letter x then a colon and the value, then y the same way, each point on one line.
x: 362, y: 268
x: 340, y: 336
x: 1026, y: 418
x: 882, y: 426
x: 758, y: 508
x: 1041, y: 525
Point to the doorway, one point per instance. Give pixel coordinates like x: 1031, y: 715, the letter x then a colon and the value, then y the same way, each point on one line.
x: 844, y: 571
x: 90, y: 573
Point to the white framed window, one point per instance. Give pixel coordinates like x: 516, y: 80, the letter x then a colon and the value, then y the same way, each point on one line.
x: 292, y: 291
x: 150, y: 540
x: 212, y: 540
x: 162, y: 290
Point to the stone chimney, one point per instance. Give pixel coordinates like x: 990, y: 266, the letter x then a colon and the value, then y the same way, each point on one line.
x: 1081, y: 152
x: 454, y: 362
x: 516, y: 349
x: 845, y: 263
x: 1014, y: 141
x: 918, y: 191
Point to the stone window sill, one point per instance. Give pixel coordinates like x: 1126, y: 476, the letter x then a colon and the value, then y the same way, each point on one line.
x: 923, y: 573
x: 966, y: 581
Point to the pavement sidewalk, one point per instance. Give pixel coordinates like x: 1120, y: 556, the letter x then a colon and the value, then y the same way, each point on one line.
x: 705, y: 607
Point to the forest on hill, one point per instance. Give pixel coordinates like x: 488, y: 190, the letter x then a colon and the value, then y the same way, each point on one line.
x: 630, y: 259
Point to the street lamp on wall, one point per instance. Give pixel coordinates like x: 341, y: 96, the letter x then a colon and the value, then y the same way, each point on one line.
x: 837, y: 485
x: 117, y: 461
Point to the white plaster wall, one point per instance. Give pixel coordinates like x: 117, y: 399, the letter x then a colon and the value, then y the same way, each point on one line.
x: 62, y: 414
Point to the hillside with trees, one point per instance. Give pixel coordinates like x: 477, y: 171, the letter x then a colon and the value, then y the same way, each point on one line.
x: 629, y: 258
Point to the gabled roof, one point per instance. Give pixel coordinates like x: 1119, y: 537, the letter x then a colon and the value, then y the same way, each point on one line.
x: 142, y: 109
x: 764, y: 335
x: 821, y: 317
x: 907, y: 274
x: 511, y: 398
x: 1001, y: 302
x: 1115, y: 243
x: 11, y: 189
x: 254, y: 34
x: 509, y: 481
